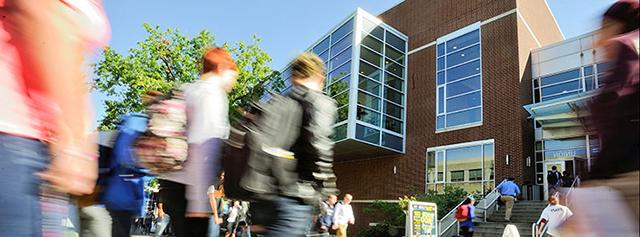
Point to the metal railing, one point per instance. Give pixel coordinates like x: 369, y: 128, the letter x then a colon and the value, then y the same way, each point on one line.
x: 574, y: 185
x: 449, y: 220
x: 535, y: 226
x: 488, y: 203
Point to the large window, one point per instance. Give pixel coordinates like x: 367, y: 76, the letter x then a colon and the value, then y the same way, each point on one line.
x: 459, y: 79
x: 470, y: 166
x: 381, y: 87
x: 570, y: 82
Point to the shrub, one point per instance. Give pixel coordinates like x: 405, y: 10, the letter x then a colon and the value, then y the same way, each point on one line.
x: 393, y: 214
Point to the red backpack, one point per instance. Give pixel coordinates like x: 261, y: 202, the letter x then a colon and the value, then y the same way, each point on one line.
x: 462, y: 214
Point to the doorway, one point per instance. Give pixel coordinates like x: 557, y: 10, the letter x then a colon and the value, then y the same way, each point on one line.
x: 561, y: 166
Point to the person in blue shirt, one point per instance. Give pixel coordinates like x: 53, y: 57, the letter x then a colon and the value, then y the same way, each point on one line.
x: 466, y: 226
x: 509, y: 190
x: 124, y: 186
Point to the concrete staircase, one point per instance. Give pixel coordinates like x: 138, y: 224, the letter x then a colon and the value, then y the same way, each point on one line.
x: 523, y: 215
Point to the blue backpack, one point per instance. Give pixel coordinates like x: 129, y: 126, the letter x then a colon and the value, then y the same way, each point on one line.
x: 124, y: 186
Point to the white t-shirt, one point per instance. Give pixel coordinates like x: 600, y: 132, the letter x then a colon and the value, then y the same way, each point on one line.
x: 233, y: 214
x: 343, y: 214
x: 555, y: 216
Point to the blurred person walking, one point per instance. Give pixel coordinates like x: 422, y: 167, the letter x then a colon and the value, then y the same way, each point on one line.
x: 124, y: 187
x: 343, y: 216
x: 615, y: 118
x: 509, y: 190
x: 290, y: 158
x: 94, y: 218
x: 616, y: 109
x: 553, y: 216
x: 44, y: 117
x: 207, y: 124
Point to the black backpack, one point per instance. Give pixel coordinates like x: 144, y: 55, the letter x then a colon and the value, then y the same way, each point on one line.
x: 256, y: 157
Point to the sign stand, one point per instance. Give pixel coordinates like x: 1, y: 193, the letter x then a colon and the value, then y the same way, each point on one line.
x: 422, y: 220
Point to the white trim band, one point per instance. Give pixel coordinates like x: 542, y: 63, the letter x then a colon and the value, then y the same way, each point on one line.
x: 529, y: 29
x: 492, y: 19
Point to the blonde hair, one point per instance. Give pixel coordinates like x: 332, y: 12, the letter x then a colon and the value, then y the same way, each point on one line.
x: 307, y: 64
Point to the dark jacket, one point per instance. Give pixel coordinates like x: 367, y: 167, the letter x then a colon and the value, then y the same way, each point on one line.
x: 615, y: 112
x: 291, y: 148
x: 314, y: 146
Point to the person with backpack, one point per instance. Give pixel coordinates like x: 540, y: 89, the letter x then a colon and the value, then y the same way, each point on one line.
x: 283, y: 162
x: 343, y: 216
x: 124, y: 187
x: 464, y: 215
x: 554, y: 180
x: 328, y: 209
x: 185, y: 190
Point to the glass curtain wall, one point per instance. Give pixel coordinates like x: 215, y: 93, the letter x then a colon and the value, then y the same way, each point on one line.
x: 470, y: 167
x: 381, y: 92
x: 459, y: 79
x: 366, y: 75
x: 570, y: 82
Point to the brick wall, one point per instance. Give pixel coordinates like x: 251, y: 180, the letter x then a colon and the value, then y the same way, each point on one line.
x: 506, y: 88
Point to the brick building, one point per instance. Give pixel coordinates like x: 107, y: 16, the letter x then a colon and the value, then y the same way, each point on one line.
x: 431, y: 93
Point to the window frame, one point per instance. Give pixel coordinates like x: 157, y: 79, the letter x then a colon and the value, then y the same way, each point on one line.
x: 441, y: 98
x: 443, y: 150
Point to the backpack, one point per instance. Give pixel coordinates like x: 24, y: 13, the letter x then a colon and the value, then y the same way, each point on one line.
x: 462, y: 214
x: 124, y: 186
x: 255, y: 159
x: 552, y: 178
x: 163, y: 146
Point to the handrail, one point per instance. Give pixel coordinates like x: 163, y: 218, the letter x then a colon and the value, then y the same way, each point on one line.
x: 534, y: 228
x: 574, y: 185
x: 448, y: 216
x: 443, y: 230
x: 493, y: 200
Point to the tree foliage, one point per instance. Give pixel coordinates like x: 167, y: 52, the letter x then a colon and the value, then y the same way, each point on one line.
x: 167, y: 58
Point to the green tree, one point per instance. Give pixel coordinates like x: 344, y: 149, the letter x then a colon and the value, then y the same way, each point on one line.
x: 167, y: 58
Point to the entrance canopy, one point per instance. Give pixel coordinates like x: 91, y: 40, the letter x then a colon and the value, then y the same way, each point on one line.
x: 563, y: 116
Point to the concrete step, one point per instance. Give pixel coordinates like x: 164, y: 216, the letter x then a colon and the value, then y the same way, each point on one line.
x: 496, y: 228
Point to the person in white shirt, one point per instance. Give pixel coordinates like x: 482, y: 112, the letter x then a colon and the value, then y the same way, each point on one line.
x: 553, y: 216
x: 343, y: 216
x: 233, y: 217
x: 207, y: 126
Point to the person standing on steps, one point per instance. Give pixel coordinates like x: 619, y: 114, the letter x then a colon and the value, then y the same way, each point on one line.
x: 554, y: 180
x: 553, y: 216
x: 509, y: 190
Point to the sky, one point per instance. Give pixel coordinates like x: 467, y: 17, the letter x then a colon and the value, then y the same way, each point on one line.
x: 287, y: 27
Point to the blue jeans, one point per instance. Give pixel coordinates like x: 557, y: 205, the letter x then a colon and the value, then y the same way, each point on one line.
x: 20, y: 159
x: 214, y: 229
x: 162, y: 224
x: 121, y: 223
x: 293, y: 219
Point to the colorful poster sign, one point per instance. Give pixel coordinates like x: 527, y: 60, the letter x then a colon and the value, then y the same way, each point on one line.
x: 422, y: 220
